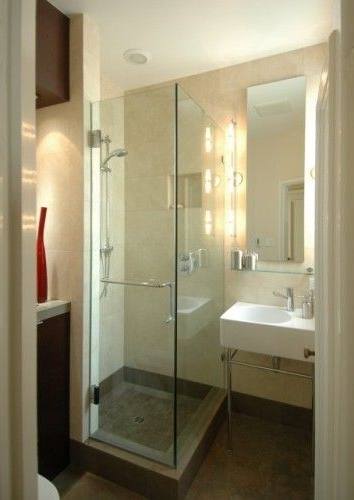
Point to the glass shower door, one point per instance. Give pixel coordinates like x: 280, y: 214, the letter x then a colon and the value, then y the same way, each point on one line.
x: 133, y: 274
x: 200, y: 269
x: 157, y: 272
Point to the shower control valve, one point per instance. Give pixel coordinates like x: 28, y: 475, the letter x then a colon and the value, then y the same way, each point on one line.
x: 107, y: 249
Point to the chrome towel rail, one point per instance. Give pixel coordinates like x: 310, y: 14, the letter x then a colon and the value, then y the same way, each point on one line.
x: 150, y: 283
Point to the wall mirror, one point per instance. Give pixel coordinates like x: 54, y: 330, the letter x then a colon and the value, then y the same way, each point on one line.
x: 276, y: 183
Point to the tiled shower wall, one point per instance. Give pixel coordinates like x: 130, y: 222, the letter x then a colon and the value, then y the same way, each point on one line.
x: 198, y: 347
x: 149, y: 228
x: 111, y: 303
x: 149, y: 233
x: 223, y: 94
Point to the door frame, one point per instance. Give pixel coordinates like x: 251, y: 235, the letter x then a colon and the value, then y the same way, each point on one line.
x: 334, y: 340
x: 325, y: 274
x: 283, y: 191
x: 18, y: 419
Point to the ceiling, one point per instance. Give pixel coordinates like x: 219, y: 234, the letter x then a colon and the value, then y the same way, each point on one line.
x: 187, y: 37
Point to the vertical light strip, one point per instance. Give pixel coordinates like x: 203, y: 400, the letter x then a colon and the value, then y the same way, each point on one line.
x: 207, y: 181
x: 208, y: 140
x: 208, y: 222
x: 230, y: 167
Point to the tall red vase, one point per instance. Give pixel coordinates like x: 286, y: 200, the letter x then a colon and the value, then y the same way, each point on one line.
x: 42, y: 281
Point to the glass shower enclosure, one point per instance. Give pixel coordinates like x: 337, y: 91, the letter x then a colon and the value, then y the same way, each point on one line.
x: 157, y: 218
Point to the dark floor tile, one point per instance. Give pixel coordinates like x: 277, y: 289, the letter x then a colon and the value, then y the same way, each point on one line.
x: 289, y: 487
x: 208, y: 491
x: 269, y: 461
x: 75, y: 485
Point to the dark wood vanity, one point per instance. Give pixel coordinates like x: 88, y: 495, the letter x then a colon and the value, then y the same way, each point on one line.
x: 53, y: 362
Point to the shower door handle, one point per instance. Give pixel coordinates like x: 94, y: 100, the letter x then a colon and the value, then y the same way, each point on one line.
x: 171, y: 316
x: 150, y: 284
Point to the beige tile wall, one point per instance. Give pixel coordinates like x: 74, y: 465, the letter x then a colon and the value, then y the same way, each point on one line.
x: 111, y: 313
x: 149, y: 223
x: 149, y: 234
x: 223, y: 94
x: 63, y: 187
x: 198, y: 348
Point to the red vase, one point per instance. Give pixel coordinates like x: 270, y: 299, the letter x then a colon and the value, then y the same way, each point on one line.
x: 42, y: 282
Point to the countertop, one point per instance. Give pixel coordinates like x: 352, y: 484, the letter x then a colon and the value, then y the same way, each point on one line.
x: 52, y: 308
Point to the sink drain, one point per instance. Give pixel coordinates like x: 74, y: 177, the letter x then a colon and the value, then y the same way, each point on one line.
x: 138, y: 420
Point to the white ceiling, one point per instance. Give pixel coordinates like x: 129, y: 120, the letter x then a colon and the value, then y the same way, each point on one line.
x: 187, y: 37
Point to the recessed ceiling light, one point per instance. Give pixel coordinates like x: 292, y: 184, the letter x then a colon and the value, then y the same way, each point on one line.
x: 137, y: 56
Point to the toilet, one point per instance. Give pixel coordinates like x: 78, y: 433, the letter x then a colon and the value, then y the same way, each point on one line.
x: 46, y: 490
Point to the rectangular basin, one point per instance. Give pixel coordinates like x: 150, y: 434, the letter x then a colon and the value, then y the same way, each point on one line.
x: 193, y: 314
x: 267, y: 330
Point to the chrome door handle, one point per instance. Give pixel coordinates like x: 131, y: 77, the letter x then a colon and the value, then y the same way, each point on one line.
x: 308, y: 353
x: 171, y: 316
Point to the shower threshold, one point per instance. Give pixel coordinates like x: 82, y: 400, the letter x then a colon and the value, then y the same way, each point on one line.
x: 120, y: 460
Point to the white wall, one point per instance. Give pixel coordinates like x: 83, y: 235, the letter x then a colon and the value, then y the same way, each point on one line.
x: 344, y: 451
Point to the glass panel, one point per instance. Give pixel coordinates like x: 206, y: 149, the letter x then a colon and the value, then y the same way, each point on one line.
x: 200, y: 287
x: 133, y: 266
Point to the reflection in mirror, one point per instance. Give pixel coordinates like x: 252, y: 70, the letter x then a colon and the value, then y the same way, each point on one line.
x: 275, y: 170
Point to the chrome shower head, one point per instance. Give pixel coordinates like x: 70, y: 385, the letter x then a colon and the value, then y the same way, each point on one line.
x: 119, y: 153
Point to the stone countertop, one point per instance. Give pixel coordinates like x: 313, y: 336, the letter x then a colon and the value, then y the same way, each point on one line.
x: 52, y: 308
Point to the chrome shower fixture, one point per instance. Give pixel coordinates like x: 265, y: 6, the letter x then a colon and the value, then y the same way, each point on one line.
x: 119, y: 153
x: 106, y: 247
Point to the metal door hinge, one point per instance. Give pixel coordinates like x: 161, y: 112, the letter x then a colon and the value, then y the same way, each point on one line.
x: 95, y: 394
x: 94, y: 138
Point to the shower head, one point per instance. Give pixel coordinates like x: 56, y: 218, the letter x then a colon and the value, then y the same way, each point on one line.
x: 119, y: 153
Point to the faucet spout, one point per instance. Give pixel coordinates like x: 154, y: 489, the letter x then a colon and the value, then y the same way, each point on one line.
x: 289, y: 298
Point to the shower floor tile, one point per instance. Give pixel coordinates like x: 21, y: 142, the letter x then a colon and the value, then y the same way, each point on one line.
x: 144, y: 416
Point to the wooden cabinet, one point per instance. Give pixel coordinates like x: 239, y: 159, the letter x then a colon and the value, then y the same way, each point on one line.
x: 52, y: 55
x: 53, y: 360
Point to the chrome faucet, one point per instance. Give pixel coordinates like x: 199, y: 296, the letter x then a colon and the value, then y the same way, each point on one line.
x: 289, y: 297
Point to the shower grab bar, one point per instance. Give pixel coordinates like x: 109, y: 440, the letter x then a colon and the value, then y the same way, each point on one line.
x: 150, y: 284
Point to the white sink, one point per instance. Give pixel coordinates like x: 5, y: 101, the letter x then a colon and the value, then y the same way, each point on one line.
x: 193, y: 314
x: 267, y: 330
x: 188, y: 305
x: 262, y: 314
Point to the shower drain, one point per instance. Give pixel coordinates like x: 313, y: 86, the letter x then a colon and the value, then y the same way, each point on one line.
x: 138, y: 419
